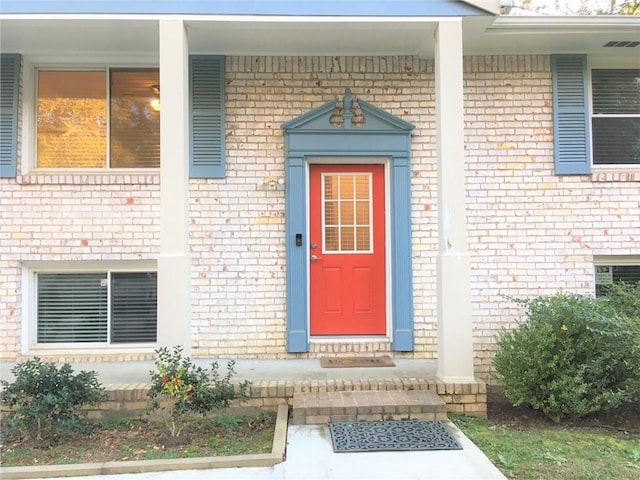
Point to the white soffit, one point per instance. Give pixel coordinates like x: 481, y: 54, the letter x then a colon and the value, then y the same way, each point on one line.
x: 483, y: 35
x: 546, y: 35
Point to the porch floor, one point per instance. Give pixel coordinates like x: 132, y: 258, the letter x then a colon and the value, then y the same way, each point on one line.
x: 297, y: 371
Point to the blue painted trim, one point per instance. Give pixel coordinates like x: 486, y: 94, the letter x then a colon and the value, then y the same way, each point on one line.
x: 384, y: 135
x: 402, y: 277
x: 297, y: 302
x: 247, y: 7
x: 571, y: 119
x: 9, y: 86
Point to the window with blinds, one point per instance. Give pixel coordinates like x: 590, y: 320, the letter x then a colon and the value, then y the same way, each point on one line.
x: 609, y: 274
x: 615, y: 118
x: 109, y: 307
x: 98, y: 119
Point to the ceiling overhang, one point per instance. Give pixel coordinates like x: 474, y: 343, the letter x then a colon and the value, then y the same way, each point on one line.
x: 315, y: 35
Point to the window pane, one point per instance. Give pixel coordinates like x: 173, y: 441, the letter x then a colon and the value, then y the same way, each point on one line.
x: 362, y: 187
x: 72, y: 308
x: 616, y: 140
x: 346, y: 213
x: 362, y: 213
x: 347, y: 239
x: 626, y: 273
x: 617, y: 273
x: 331, y: 239
x: 331, y: 213
x: 133, y: 307
x: 616, y: 91
x: 135, y: 123
x: 71, y: 119
x: 330, y: 187
x: 346, y: 187
x: 363, y: 236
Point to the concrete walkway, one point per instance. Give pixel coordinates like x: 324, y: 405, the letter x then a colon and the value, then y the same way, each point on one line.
x: 310, y: 456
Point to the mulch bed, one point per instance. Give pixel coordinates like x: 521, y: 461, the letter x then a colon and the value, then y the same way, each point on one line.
x: 500, y: 410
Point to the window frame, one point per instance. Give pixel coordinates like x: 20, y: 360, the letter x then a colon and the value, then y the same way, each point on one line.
x: 31, y: 66
x: 30, y: 303
x: 613, y: 261
x: 597, y: 63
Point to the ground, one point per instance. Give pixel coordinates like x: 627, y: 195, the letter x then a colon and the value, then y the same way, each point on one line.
x: 140, y: 439
x: 500, y: 410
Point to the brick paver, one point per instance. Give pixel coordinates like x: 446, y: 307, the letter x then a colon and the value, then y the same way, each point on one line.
x: 367, y: 405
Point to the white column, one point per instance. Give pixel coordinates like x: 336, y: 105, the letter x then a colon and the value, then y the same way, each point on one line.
x: 455, y: 329
x: 174, y: 262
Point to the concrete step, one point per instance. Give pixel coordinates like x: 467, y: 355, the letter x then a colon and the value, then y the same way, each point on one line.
x: 315, y: 408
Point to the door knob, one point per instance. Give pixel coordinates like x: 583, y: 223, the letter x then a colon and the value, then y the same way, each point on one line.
x: 315, y: 258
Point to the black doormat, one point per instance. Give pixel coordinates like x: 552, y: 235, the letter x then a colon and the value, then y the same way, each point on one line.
x: 403, y: 435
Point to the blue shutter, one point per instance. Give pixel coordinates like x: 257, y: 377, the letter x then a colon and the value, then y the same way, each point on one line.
x: 207, y: 116
x: 9, y: 83
x: 571, y: 126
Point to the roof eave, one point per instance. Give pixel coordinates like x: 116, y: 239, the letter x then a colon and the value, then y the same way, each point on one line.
x: 489, y: 6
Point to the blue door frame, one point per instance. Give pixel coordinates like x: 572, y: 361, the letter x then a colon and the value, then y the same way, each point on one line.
x: 332, y: 131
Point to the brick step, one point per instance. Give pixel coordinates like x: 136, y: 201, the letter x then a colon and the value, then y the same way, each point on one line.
x: 315, y: 408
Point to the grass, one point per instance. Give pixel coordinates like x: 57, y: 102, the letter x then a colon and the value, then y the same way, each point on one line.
x: 122, y: 440
x: 554, y: 452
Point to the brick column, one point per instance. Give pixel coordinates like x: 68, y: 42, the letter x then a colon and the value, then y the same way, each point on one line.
x: 174, y: 262
x: 455, y: 332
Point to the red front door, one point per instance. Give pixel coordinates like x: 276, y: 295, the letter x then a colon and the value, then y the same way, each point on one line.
x: 347, y: 250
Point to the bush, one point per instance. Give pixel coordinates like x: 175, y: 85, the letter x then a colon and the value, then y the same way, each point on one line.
x: 575, y: 355
x: 46, y: 402
x: 182, y: 389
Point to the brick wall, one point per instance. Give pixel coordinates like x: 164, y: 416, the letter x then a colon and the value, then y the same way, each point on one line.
x: 530, y: 232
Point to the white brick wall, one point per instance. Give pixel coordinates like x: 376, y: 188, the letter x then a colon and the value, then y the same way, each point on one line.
x: 530, y: 232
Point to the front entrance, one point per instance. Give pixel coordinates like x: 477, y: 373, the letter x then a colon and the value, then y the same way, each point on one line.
x: 349, y: 287
x: 347, y: 250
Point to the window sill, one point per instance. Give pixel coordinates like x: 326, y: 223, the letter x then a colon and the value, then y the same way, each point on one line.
x: 629, y: 173
x: 116, y: 353
x: 90, y: 177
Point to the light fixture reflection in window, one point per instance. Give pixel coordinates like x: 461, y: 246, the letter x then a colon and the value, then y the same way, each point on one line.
x: 155, y: 102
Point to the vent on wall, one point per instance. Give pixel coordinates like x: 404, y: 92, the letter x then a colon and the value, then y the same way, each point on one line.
x: 621, y: 44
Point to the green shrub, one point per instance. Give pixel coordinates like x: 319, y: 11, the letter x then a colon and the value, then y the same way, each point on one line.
x: 624, y: 299
x: 575, y: 355
x: 182, y: 389
x: 45, y: 402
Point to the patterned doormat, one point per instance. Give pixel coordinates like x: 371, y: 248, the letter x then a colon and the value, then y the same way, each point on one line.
x: 355, y: 362
x: 403, y: 435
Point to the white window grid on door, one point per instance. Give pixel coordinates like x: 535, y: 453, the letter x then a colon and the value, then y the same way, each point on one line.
x: 351, y: 213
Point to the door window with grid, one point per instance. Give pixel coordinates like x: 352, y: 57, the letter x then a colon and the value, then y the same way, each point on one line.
x: 347, y: 204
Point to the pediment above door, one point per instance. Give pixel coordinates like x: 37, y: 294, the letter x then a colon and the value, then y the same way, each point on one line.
x: 348, y: 113
x: 339, y: 127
